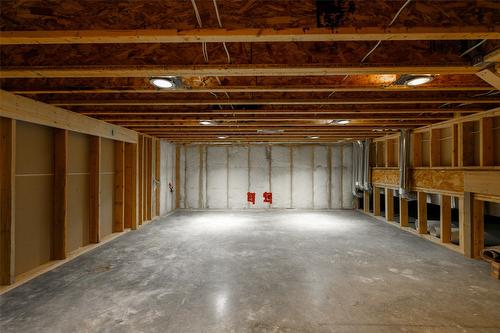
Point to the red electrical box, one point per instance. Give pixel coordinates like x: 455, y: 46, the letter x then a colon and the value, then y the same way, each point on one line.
x: 268, y: 197
x: 251, y: 197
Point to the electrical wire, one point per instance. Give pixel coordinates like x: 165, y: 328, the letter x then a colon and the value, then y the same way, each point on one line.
x: 472, y: 48
x: 220, y: 26
x: 198, y: 18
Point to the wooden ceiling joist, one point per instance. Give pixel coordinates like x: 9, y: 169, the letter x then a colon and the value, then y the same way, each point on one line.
x: 322, y: 101
x: 228, y: 70
x: 247, y: 35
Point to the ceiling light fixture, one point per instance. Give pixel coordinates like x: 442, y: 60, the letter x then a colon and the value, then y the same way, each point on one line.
x: 413, y: 80
x: 270, y: 131
x: 340, y: 122
x: 207, y: 122
x: 222, y: 137
x: 314, y: 137
x: 165, y: 82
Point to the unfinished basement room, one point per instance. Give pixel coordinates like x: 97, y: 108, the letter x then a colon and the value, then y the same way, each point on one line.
x: 260, y: 166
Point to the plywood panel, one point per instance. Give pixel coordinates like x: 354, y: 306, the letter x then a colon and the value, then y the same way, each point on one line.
x: 78, y: 191
x: 321, y: 180
x: 107, y: 186
x: 238, y: 176
x: 259, y: 174
x: 217, y: 169
x: 281, y: 176
x: 34, y: 193
x: 302, y: 179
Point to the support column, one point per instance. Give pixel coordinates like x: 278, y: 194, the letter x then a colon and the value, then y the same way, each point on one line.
x: 403, y: 212
x: 140, y: 180
x: 7, y: 199
x: 366, y: 201
x: 422, y: 212
x: 465, y: 221
x: 149, y: 178
x: 131, y: 186
x: 95, y: 189
x: 445, y: 218
x: 58, y: 250
x: 157, y: 176
x: 119, y: 197
x: 376, y: 201
x: 477, y: 227
x: 389, y: 204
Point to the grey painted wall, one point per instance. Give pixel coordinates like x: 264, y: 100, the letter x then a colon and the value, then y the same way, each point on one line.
x: 299, y: 176
x: 167, y: 175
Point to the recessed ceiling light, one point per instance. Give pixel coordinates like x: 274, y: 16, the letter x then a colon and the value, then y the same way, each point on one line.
x: 270, y: 131
x: 312, y: 137
x: 416, y: 80
x: 207, y: 122
x: 162, y: 82
x: 222, y: 137
x: 341, y: 122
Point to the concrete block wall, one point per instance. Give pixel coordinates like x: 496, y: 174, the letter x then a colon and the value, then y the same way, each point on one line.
x: 299, y: 176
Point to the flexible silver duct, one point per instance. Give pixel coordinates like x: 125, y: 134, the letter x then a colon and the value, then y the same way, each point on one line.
x: 367, y: 186
x: 404, y: 163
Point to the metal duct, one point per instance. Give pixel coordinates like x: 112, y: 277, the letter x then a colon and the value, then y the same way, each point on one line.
x: 367, y: 186
x: 357, y: 168
x: 404, y: 163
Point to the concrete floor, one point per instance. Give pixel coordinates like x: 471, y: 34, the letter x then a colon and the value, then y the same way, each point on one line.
x: 273, y: 271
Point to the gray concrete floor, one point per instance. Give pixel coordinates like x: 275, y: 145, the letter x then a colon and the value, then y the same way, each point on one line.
x: 279, y: 271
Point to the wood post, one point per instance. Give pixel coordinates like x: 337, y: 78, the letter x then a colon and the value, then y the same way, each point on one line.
x: 465, y: 223
x: 140, y: 188
x: 389, y: 204
x: 477, y: 227
x: 58, y: 249
x: 455, y: 148
x: 95, y: 189
x: 445, y: 218
x: 422, y: 212
x: 366, y: 201
x: 7, y: 199
x: 119, y: 197
x: 149, y: 180
x: 435, y: 147
x: 376, y: 201
x: 403, y: 212
x: 177, y: 177
x: 157, y: 176
x: 130, y: 219
x: 486, y: 151
x: 417, y: 149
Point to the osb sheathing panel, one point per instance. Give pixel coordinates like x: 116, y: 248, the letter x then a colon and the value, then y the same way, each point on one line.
x: 78, y: 191
x: 34, y: 193
x: 107, y: 186
x: 385, y: 177
x: 444, y: 181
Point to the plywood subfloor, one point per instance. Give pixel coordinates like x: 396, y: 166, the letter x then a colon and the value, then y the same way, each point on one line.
x: 279, y: 271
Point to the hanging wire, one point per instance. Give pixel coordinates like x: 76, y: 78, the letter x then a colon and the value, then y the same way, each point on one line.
x: 198, y: 18
x: 220, y: 26
x: 472, y: 48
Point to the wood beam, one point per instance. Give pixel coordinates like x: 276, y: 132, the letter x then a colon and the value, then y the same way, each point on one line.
x: 477, y: 227
x: 26, y: 109
x: 58, y: 249
x: 492, y: 57
x: 490, y: 76
x: 95, y: 190
x: 157, y: 176
x: 245, y: 89
x: 445, y: 218
x: 119, y: 187
x: 486, y: 152
x: 7, y: 200
x: 422, y: 212
x: 227, y: 70
x: 376, y: 201
x: 403, y: 212
x: 247, y: 35
x: 389, y: 204
x: 366, y: 201
x: 287, y: 101
x: 131, y: 176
